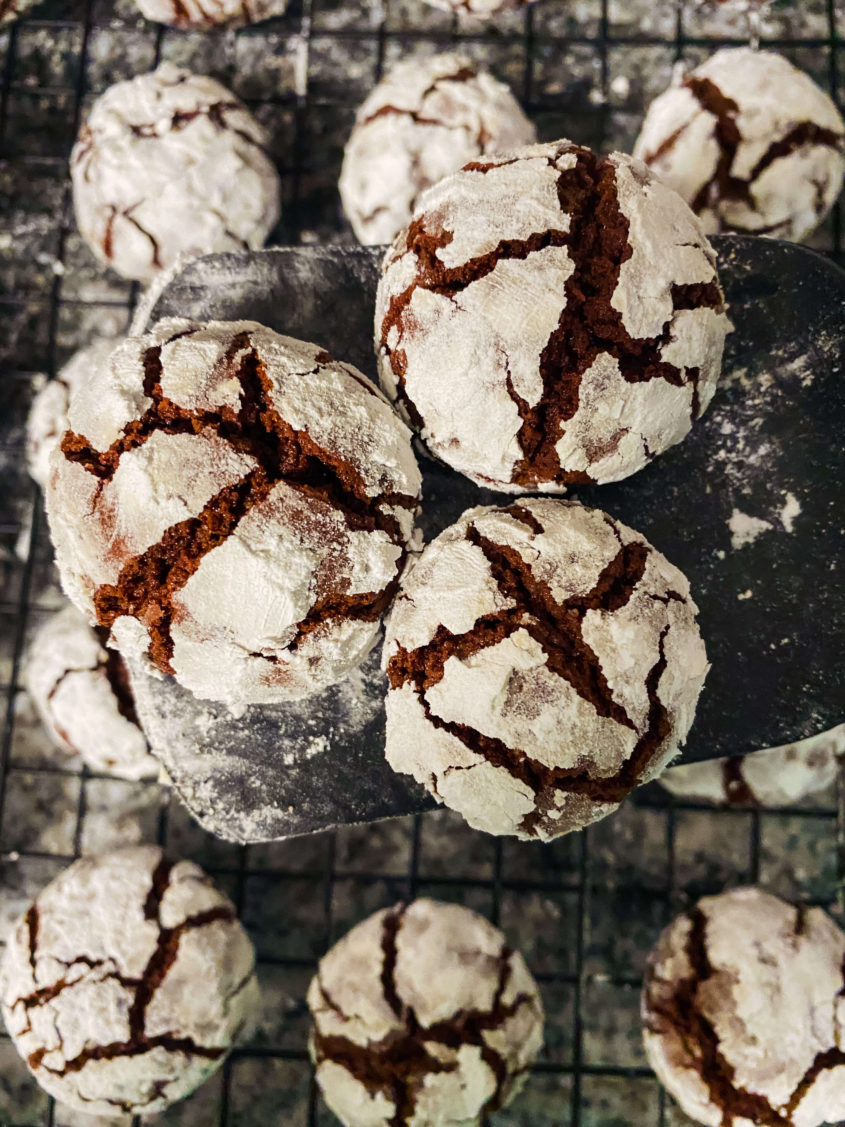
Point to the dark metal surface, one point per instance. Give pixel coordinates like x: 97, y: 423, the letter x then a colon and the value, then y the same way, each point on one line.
x: 769, y: 448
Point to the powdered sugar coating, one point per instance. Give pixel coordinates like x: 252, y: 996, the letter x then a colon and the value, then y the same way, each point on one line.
x: 423, y: 121
x: 480, y: 8
x: 236, y: 507
x: 84, y: 700
x: 543, y: 660
x: 751, y: 142
x: 778, y: 776
x: 743, y: 1008
x: 210, y: 13
x: 126, y: 982
x: 171, y: 163
x: 422, y: 1015
x: 550, y: 317
x: 47, y: 420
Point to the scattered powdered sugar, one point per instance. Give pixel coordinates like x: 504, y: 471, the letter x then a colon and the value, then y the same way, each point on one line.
x: 251, y: 779
x: 316, y: 746
x: 745, y: 529
x: 790, y: 511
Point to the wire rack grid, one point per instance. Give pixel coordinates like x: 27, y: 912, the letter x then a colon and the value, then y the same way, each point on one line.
x: 585, y: 910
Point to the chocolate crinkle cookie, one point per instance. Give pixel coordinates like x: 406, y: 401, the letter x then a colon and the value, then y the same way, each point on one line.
x: 750, y: 142
x: 84, y: 698
x: 423, y: 1015
x: 778, y: 776
x: 744, y: 1006
x: 126, y: 982
x: 47, y: 420
x: 210, y: 13
x: 171, y: 163
x: 550, y: 317
x: 423, y: 121
x: 543, y: 659
x: 235, y: 506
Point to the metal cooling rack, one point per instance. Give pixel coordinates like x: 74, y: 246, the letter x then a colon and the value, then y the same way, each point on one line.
x: 586, y: 909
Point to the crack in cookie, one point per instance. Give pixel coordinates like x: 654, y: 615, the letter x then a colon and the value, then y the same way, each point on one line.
x: 125, y: 997
x: 569, y: 639
x: 763, y: 113
x: 149, y: 582
x: 681, y: 1014
x: 400, y: 1064
x: 424, y: 119
x: 590, y: 330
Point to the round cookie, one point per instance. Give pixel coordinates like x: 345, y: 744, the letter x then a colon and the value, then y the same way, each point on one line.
x: 126, y: 982
x: 198, y: 14
x: 543, y: 659
x: 423, y: 121
x: 47, y: 420
x: 82, y: 693
x: 743, y: 1006
x: 778, y: 776
x: 171, y: 163
x: 550, y: 318
x: 236, y: 507
x: 750, y: 142
x: 422, y: 1015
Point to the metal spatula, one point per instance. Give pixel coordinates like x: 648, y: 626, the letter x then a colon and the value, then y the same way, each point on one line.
x: 749, y: 506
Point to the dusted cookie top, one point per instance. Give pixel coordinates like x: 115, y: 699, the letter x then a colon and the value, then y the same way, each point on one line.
x: 550, y: 317
x: 423, y: 121
x: 171, y: 163
x: 235, y: 506
x: 543, y: 660
x: 743, y: 1005
x: 750, y: 142
x: 423, y: 1015
x: 84, y: 698
x: 210, y: 13
x: 47, y: 420
x: 126, y: 982
x: 778, y: 776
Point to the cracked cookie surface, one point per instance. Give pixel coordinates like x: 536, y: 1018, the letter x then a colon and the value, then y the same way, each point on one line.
x: 126, y: 982
x: 198, y: 14
x: 743, y: 1007
x: 236, y: 507
x: 423, y: 121
x: 83, y: 696
x: 543, y: 660
x: 778, y: 776
x: 167, y: 164
x: 550, y: 318
x: 750, y: 142
x: 47, y: 420
x: 423, y: 1014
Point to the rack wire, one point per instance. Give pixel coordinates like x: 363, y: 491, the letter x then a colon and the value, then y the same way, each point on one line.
x: 586, y: 909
